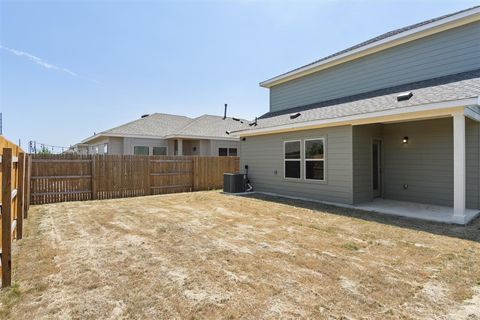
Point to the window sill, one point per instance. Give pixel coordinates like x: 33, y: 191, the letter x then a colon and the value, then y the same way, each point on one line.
x: 323, y: 182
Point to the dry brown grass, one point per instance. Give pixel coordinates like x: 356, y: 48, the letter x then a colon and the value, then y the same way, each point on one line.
x: 209, y: 255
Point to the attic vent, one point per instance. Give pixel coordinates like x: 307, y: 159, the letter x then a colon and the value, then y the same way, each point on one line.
x: 295, y: 115
x: 145, y: 115
x: 404, y: 96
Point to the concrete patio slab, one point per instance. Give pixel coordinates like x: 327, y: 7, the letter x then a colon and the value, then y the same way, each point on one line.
x: 416, y: 210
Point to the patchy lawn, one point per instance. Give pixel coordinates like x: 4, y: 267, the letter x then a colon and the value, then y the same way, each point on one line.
x: 209, y: 255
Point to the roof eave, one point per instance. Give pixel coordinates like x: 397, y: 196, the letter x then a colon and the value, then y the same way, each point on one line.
x: 177, y: 136
x: 403, y: 37
x: 411, y: 112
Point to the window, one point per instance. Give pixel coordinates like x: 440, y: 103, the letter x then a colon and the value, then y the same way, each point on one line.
x: 222, y: 152
x: 232, y: 152
x: 96, y: 149
x: 159, y: 151
x: 315, y: 159
x: 140, y: 150
x: 105, y: 148
x: 292, y: 159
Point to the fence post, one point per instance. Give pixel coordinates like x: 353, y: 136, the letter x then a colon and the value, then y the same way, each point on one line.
x: 147, y: 181
x: 7, y: 217
x: 28, y: 176
x: 20, y: 194
x: 94, y: 176
x: 194, y: 173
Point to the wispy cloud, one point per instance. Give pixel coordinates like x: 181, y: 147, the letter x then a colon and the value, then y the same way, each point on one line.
x: 38, y: 60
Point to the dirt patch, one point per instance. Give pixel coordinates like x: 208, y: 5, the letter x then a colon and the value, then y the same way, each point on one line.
x: 208, y: 255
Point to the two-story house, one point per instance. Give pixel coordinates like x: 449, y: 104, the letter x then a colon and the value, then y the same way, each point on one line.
x: 390, y: 124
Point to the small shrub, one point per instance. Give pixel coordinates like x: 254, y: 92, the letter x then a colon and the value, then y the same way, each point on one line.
x: 351, y: 246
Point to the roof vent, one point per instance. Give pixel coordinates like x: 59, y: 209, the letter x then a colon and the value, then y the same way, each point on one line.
x: 295, y: 115
x: 404, y: 96
x: 235, y: 119
x: 227, y: 132
x: 254, y: 123
x: 144, y: 116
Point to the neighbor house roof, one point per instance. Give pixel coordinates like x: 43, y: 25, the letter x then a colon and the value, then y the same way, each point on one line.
x: 156, y: 124
x: 443, y: 89
x: 210, y: 126
x: 381, y: 42
x: 162, y: 125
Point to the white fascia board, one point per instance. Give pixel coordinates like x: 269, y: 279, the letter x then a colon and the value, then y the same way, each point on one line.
x: 398, y: 114
x: 118, y: 135
x: 86, y: 140
x: 106, y: 135
x: 200, y: 137
x: 403, y: 37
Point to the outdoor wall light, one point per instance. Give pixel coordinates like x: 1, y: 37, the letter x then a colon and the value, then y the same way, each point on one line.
x: 405, y: 140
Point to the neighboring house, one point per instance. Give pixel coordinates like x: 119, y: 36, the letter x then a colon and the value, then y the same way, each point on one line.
x: 166, y: 134
x: 392, y: 121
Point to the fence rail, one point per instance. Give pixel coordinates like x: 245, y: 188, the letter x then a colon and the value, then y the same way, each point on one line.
x: 58, y: 178
x: 15, y: 173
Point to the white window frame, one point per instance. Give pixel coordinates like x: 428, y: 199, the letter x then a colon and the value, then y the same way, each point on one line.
x: 324, y: 160
x: 166, y: 148
x: 299, y: 160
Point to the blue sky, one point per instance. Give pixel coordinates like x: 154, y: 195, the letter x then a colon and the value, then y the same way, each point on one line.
x: 68, y: 68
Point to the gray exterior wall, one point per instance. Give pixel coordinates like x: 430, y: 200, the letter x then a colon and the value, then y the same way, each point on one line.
x: 264, y: 156
x: 119, y: 145
x: 129, y: 143
x: 472, y: 137
x: 216, y: 144
x: 115, y: 145
x: 425, y: 164
x: 189, y: 146
x: 444, y: 53
x: 98, y: 144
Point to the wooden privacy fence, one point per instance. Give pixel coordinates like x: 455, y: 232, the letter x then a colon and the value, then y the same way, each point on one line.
x: 15, y: 167
x: 58, y: 178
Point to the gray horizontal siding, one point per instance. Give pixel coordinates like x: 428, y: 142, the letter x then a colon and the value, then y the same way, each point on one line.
x: 426, y: 162
x: 264, y: 155
x: 449, y: 52
x: 473, y: 163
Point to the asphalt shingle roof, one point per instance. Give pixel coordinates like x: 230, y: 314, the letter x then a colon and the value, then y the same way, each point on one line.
x: 378, y: 38
x: 212, y: 126
x: 162, y: 125
x: 452, y: 87
x: 156, y: 124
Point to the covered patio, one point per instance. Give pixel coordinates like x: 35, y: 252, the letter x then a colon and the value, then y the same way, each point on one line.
x: 420, y: 167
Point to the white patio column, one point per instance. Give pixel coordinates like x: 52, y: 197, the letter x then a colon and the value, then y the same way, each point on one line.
x: 180, y: 147
x: 459, y: 167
